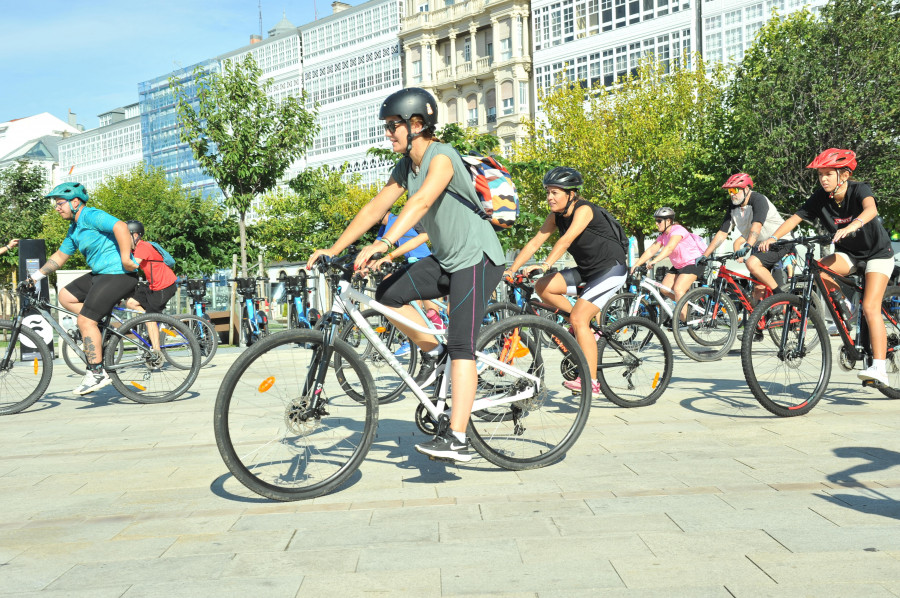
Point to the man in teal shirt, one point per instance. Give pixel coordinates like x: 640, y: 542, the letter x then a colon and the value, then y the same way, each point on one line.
x: 106, y: 245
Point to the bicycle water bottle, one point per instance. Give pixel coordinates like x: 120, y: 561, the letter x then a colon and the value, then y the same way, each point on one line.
x: 435, y: 318
x: 842, y: 303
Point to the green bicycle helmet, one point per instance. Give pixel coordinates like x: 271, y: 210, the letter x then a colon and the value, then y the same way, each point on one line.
x: 69, y: 191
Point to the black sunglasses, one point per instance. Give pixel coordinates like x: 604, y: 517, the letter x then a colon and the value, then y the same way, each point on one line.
x: 658, y: 220
x: 391, y: 125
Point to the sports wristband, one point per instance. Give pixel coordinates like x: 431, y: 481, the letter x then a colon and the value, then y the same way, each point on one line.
x: 38, y: 275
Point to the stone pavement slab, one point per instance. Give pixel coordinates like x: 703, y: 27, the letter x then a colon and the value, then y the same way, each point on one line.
x: 704, y: 494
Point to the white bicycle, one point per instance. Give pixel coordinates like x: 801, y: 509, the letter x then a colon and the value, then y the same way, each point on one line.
x: 297, y: 413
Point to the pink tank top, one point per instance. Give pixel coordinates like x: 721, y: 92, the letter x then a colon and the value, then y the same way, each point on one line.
x: 688, y: 249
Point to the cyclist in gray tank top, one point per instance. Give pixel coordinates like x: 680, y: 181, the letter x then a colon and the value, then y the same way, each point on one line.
x: 466, y: 261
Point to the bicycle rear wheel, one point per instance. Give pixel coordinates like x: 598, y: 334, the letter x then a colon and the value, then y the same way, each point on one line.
x: 620, y: 305
x: 546, y: 418
x: 273, y: 435
x: 71, y: 358
x: 146, y: 375
x: 711, y: 324
x: 890, y: 313
x: 786, y: 382
x: 634, y: 362
x: 388, y: 385
x: 27, y: 376
x: 497, y: 312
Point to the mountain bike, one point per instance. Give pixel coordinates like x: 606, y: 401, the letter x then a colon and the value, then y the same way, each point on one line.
x: 647, y: 302
x: 296, y: 289
x: 634, y: 356
x: 137, y: 370
x: 287, y: 428
x: 254, y: 323
x: 788, y: 368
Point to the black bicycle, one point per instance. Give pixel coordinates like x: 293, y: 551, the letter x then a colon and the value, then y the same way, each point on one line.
x: 138, y: 370
x: 787, y: 360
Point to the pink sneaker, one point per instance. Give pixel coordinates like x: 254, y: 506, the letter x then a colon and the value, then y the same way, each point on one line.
x: 435, y: 318
x: 575, y: 386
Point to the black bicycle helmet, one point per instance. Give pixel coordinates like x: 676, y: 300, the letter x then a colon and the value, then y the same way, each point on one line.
x: 135, y: 226
x: 664, y: 212
x: 409, y: 102
x: 564, y: 178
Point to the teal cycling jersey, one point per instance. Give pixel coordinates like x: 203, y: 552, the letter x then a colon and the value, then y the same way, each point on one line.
x: 93, y: 236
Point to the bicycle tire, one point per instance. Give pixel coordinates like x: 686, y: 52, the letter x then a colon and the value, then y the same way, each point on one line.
x: 634, y: 362
x: 205, y: 333
x: 261, y: 439
x: 497, y: 312
x: 780, y: 382
x: 890, y: 313
x: 533, y: 431
x: 293, y: 318
x: 387, y: 384
x: 22, y: 383
x: 620, y: 305
x: 145, y: 375
x: 249, y: 334
x: 711, y: 326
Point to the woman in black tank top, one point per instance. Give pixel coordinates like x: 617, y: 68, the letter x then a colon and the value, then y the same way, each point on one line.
x: 587, y: 234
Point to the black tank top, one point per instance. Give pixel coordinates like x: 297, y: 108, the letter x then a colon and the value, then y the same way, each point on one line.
x: 596, y: 249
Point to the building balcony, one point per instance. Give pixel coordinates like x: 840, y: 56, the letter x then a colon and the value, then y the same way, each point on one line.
x: 443, y: 16
x: 484, y: 69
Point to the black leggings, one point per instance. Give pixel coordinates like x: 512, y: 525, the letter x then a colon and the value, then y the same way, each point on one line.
x: 469, y: 290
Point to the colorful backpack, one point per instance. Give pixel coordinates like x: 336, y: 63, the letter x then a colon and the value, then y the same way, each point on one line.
x: 496, y: 192
x: 166, y: 256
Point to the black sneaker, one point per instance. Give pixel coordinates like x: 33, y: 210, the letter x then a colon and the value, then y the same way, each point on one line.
x: 446, y: 446
x: 426, y: 368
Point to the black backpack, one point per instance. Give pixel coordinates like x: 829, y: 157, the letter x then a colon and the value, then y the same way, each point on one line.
x: 618, y: 231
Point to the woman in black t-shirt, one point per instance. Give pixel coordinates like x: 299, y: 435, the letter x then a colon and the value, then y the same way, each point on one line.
x: 587, y: 234
x: 844, y: 207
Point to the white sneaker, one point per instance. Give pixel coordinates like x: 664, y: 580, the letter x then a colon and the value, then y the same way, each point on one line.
x: 873, y: 373
x: 93, y: 382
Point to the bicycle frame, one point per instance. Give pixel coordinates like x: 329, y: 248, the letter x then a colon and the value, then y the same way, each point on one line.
x: 345, y: 303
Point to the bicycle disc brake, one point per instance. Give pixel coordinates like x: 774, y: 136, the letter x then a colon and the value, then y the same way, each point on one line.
x: 303, y: 415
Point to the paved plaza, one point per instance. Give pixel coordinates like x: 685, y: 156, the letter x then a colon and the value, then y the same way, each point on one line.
x: 704, y: 494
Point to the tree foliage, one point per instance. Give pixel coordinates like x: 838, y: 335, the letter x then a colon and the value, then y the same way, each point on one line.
x: 648, y: 142
x: 813, y: 82
x: 241, y: 137
x: 22, y: 206
x: 312, y: 214
x: 195, y: 230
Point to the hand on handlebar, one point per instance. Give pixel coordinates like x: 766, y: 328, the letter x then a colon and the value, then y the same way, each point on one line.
x: 369, y: 252
x: 740, y: 253
x: 844, y: 232
x: 702, y: 260
x: 316, y: 255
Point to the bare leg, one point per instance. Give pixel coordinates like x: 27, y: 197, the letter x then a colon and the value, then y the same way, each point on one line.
x: 762, y: 274
x: 152, y: 327
x: 580, y: 318
x: 463, y: 382
x: 552, y: 290
x: 682, y: 283
x: 876, y: 283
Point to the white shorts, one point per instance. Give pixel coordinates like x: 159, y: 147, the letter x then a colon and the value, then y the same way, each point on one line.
x: 883, y: 265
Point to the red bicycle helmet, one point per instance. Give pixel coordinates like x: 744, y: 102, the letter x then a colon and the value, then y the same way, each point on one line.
x: 835, y: 158
x: 738, y: 181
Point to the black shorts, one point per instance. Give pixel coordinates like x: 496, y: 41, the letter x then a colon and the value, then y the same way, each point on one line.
x: 153, y: 302
x: 769, y: 259
x: 100, y: 292
x: 469, y: 290
x: 694, y: 269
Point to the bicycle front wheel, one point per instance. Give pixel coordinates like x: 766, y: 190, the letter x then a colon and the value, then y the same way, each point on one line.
x: 27, y: 375
x: 280, y: 435
x: 710, y: 327
x: 388, y: 384
x: 634, y: 362
x: 147, y: 375
x: 787, y: 378
x: 531, y: 419
x: 497, y: 312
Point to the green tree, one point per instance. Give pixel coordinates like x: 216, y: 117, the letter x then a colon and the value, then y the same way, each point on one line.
x: 241, y: 137
x: 195, y: 230
x: 647, y: 142
x: 22, y: 205
x: 312, y: 214
x: 809, y: 83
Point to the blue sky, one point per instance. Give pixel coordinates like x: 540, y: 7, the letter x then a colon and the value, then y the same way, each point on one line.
x: 90, y: 55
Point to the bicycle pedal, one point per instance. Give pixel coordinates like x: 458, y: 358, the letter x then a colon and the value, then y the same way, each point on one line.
x: 872, y: 384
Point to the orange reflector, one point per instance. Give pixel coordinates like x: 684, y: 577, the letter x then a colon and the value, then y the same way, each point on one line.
x: 380, y: 329
x: 655, y: 381
x: 520, y: 351
x: 169, y: 332
x: 267, y: 384
x: 138, y: 386
x: 35, y: 366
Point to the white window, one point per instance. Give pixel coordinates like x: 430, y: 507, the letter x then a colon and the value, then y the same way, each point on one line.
x: 505, y: 48
x: 417, y: 71
x: 423, y: 6
x: 467, y: 50
x: 734, y: 44
x: 713, y: 49
x: 733, y: 18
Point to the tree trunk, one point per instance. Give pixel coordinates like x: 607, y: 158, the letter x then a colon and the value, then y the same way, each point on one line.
x: 243, y: 227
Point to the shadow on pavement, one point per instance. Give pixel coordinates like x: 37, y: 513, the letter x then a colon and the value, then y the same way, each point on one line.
x: 868, y: 500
